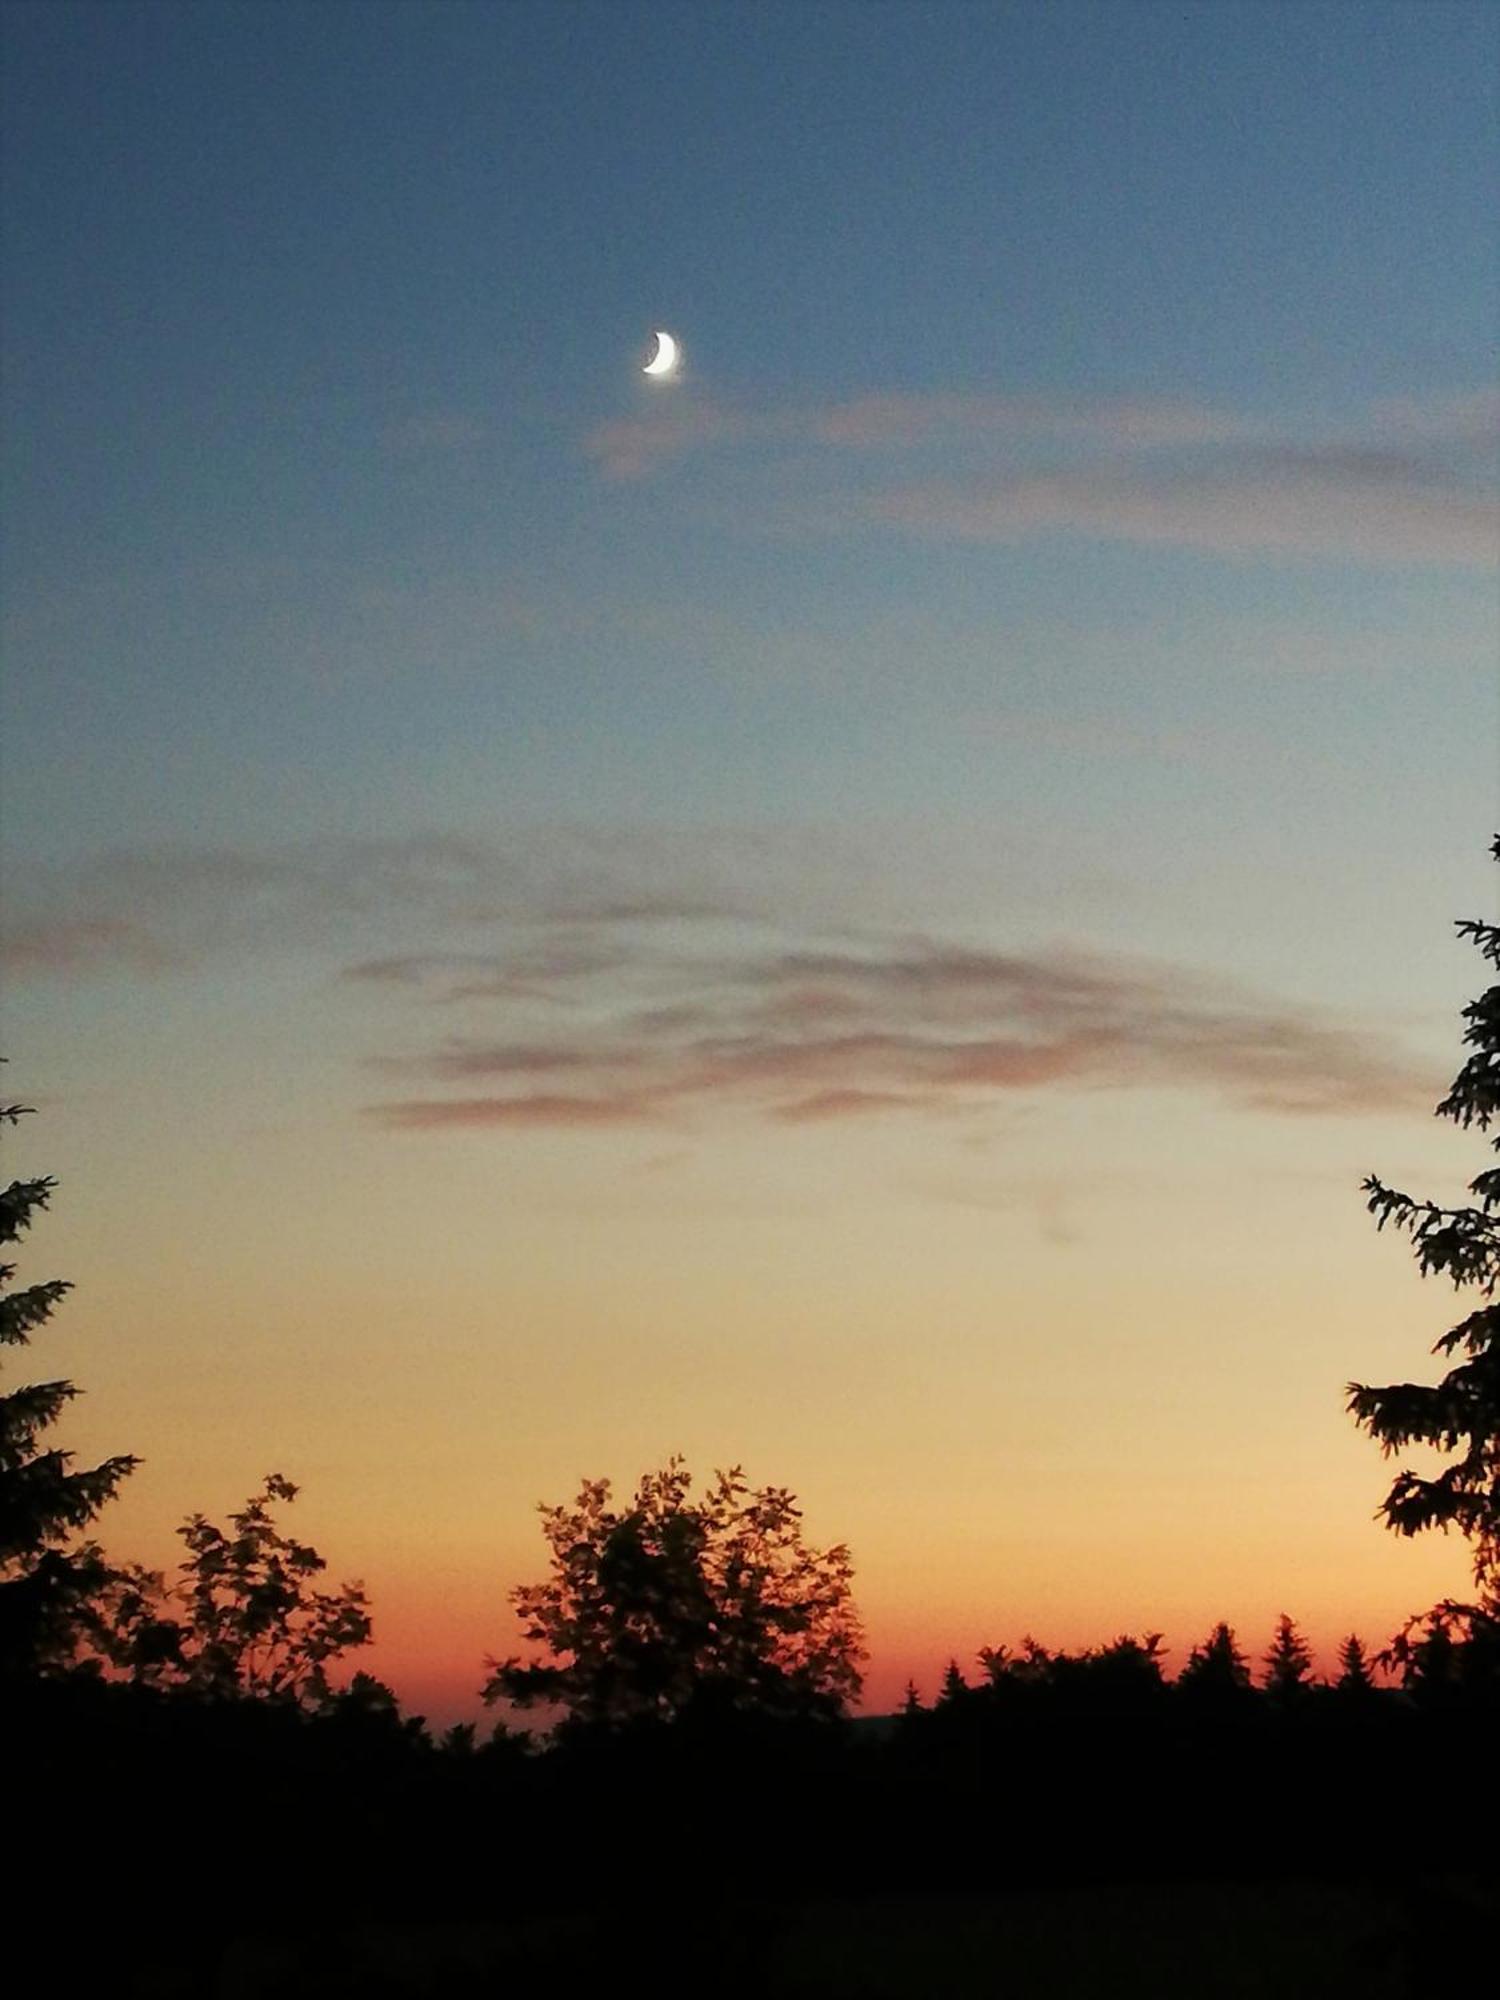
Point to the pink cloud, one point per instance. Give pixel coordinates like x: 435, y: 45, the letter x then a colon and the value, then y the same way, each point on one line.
x: 541, y: 1108
x: 924, y: 1028
x: 873, y: 422
x: 1390, y: 486
x: 826, y: 1105
x: 628, y: 447
x: 1347, y: 511
x: 63, y: 946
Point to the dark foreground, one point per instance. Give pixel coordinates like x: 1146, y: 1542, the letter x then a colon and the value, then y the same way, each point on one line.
x: 160, y: 1849
x: 1202, y: 1941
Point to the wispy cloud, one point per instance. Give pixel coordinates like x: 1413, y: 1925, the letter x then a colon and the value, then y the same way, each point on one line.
x: 151, y: 907
x: 1338, y: 507
x: 79, y: 945
x: 629, y: 448
x: 876, y: 422
x: 588, y: 977
x: 914, y: 1026
x: 1408, y: 481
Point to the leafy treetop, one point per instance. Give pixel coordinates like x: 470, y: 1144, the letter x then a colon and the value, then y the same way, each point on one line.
x: 674, y: 1606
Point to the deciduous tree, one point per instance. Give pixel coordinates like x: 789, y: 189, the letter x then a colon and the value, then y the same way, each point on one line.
x: 673, y: 1605
x: 245, y: 1618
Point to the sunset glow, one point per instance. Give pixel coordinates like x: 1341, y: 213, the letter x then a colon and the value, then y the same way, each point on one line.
x: 862, y: 914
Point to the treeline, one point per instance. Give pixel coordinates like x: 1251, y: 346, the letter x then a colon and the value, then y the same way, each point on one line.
x: 184, y: 1763
x: 254, y: 1816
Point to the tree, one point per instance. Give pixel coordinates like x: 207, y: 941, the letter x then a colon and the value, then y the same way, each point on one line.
x: 953, y: 1689
x: 1460, y: 1415
x: 1453, y: 1650
x: 1288, y: 1662
x: 1355, y: 1677
x: 1217, y: 1668
x: 245, y: 1621
x: 673, y: 1606
x: 48, y: 1579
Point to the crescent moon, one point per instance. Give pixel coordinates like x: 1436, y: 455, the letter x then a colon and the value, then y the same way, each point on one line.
x: 664, y: 360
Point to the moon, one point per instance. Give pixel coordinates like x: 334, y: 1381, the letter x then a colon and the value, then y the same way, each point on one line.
x: 666, y: 357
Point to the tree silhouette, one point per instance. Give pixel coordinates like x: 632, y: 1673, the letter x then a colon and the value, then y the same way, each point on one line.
x: 1355, y: 1676
x: 48, y: 1580
x: 1461, y: 1414
x: 953, y: 1687
x: 672, y: 1606
x: 1217, y: 1668
x: 1447, y: 1652
x: 245, y: 1620
x: 1288, y: 1662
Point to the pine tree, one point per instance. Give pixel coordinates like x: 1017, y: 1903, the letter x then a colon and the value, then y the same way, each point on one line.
x: 1288, y: 1662
x: 46, y: 1576
x: 954, y: 1687
x: 1217, y: 1669
x: 1355, y: 1677
x: 1461, y: 1414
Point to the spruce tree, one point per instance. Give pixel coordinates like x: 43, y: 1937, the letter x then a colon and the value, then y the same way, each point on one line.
x: 1461, y: 1414
x: 1355, y: 1677
x: 954, y: 1687
x: 46, y: 1575
x: 1217, y: 1670
x: 1288, y: 1662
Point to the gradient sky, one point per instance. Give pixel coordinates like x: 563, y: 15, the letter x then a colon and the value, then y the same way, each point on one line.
x: 861, y: 912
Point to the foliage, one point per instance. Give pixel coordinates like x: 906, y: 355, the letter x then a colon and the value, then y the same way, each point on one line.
x: 1123, y: 1674
x: 672, y: 1606
x: 246, y: 1619
x: 1451, y: 1650
x: 1460, y: 1415
x: 48, y: 1580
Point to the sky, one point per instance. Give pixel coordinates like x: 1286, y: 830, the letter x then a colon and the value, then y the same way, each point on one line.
x: 861, y: 911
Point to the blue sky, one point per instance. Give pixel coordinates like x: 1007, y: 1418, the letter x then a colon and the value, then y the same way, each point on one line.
x: 312, y: 311
x: 988, y: 752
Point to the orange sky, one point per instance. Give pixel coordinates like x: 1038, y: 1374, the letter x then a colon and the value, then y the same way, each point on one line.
x: 862, y: 910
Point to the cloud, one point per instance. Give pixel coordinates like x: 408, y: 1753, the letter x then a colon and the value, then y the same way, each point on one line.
x: 825, y: 1105
x: 879, y: 421
x: 593, y: 978
x: 538, y: 1108
x: 631, y: 447
x: 914, y: 1027
x: 1361, y: 508
x: 179, y: 904
x: 1471, y: 418
x: 1405, y: 481
x: 75, y: 946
